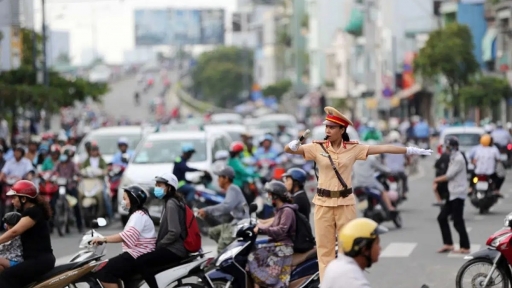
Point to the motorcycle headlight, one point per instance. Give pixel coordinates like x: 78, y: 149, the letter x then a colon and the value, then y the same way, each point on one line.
x: 508, y: 220
x: 228, y: 254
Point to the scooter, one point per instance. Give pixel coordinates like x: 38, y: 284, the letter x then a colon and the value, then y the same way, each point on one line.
x: 495, y: 261
x: 482, y: 194
x: 229, y: 266
x: 376, y: 209
x: 81, y: 266
x: 91, y: 193
x: 47, y: 185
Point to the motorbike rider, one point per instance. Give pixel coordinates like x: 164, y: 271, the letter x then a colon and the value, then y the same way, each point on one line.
x: 32, y: 152
x: 485, y: 158
x: 138, y: 238
x: 19, y: 167
x: 181, y: 168
x: 11, y: 253
x: 169, y: 242
x: 282, y: 134
x: 122, y: 144
x: 242, y: 176
x: 137, y: 97
x: 96, y: 161
x: 249, y: 148
x: 270, y: 265
x: 360, y: 242
x: 65, y: 168
x: 501, y: 136
x: 62, y: 139
x: 396, y: 162
x: 371, y: 133
x: 232, y: 208
x: 363, y: 175
x: 422, y: 131
x: 294, y: 179
x: 267, y: 151
x: 50, y: 162
x: 38, y: 258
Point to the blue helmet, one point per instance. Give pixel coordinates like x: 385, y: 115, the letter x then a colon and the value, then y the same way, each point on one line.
x: 296, y: 174
x: 187, y: 148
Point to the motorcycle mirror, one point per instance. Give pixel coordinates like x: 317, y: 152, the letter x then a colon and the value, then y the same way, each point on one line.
x: 100, y: 222
x: 253, y: 208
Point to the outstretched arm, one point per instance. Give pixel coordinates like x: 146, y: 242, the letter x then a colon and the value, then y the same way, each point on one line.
x: 382, y: 149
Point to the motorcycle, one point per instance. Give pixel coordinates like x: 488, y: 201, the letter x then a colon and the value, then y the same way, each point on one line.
x: 91, y: 194
x: 63, y: 216
x: 505, y: 152
x: 392, y: 184
x: 496, y: 259
x: 229, y: 266
x: 376, y: 209
x: 482, y: 195
x: 80, y: 268
x: 47, y: 185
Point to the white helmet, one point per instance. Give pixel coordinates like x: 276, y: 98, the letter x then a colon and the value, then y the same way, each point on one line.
x: 488, y: 128
x: 168, y: 178
x: 394, y: 136
x: 370, y: 124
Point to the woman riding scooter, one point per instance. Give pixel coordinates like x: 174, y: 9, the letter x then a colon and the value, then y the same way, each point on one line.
x: 242, y: 176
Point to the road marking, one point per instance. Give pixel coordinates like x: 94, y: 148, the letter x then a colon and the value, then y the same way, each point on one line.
x: 474, y: 248
x: 478, y: 218
x: 398, y: 250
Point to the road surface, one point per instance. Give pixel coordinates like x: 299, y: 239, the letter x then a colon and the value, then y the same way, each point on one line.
x: 408, y: 257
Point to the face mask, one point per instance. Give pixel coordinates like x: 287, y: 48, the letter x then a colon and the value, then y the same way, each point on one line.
x: 159, y: 192
x: 123, y: 206
x: 63, y: 158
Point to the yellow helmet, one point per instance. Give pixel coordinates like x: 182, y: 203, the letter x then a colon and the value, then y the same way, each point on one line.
x: 485, y: 140
x: 358, y: 233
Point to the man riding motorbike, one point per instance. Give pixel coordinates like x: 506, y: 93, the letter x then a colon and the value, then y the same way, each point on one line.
x: 122, y: 144
x: 181, y: 168
x: 233, y: 208
x: 485, y: 158
x: 266, y: 149
x: 242, y: 176
x: 67, y: 169
x: 19, y: 167
x: 501, y: 136
x: 396, y: 162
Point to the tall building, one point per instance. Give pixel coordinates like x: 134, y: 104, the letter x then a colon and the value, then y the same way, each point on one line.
x: 58, y: 45
x: 14, y: 14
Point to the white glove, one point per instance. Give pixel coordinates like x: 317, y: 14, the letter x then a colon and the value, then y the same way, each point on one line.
x: 418, y: 151
x: 294, y: 145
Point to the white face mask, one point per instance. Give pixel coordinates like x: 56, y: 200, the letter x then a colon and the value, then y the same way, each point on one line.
x: 123, y: 206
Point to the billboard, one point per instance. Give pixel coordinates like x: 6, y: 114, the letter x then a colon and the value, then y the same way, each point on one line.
x: 179, y: 27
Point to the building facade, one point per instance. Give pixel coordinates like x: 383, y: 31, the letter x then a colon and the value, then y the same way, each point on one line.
x: 14, y: 14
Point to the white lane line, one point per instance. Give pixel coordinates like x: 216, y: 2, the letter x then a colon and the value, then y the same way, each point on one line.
x: 398, y: 250
x: 474, y: 248
x: 479, y: 217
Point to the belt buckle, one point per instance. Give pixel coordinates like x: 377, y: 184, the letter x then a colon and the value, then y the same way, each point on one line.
x: 335, y: 194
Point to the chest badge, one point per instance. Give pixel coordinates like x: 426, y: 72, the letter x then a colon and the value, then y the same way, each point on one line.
x: 324, y: 154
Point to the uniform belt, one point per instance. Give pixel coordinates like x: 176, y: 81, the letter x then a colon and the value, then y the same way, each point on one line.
x: 334, y: 194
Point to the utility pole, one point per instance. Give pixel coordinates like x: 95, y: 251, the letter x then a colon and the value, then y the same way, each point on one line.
x: 369, y: 28
x: 46, y: 79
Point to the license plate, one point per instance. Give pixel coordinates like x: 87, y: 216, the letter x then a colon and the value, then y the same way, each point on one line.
x: 482, y: 186
x: 503, y: 157
x: 393, y: 186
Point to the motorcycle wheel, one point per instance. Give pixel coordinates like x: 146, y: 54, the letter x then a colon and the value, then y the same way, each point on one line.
x: 478, y: 278
x: 60, y: 218
x: 222, y: 284
x: 397, y: 221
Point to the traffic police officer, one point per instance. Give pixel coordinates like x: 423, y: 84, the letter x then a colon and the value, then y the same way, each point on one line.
x: 335, y: 156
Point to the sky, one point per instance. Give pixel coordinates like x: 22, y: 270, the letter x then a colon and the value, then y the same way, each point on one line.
x: 111, y: 19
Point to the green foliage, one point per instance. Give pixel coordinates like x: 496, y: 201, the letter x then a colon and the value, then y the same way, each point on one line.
x: 219, y: 74
x: 27, y: 50
x: 277, y: 89
x: 485, y: 92
x: 449, y: 53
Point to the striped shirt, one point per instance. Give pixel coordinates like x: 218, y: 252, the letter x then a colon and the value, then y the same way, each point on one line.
x: 139, y: 235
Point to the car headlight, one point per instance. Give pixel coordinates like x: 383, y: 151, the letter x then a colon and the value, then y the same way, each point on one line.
x: 228, y: 254
x: 497, y: 241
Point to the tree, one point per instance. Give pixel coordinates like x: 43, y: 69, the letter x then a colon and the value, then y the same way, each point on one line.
x: 220, y: 75
x: 485, y: 92
x: 448, y: 53
x: 277, y: 89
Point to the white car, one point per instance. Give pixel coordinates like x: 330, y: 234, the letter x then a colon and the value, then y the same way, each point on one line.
x: 318, y: 133
x: 468, y: 137
x: 106, y: 138
x: 234, y: 130
x: 157, y: 153
x: 270, y: 123
x: 226, y: 118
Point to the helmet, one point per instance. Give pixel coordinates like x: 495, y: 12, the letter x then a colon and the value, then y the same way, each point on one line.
x: 122, y: 141
x: 488, y: 128
x: 452, y: 142
x: 236, y: 147
x: 138, y: 192
x: 55, y: 148
x: 23, y: 188
x: 296, y: 174
x: 394, y: 136
x: 276, y: 187
x: 167, y: 178
x: 359, y: 233
x: 11, y: 218
x: 485, y: 140
x: 187, y: 148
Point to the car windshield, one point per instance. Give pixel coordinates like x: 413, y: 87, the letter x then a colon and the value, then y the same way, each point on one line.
x: 235, y: 136
x: 465, y: 139
x: 272, y: 124
x: 166, y: 151
x: 108, y: 143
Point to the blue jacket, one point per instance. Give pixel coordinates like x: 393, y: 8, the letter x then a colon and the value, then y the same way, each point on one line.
x: 180, y: 169
x: 118, y: 158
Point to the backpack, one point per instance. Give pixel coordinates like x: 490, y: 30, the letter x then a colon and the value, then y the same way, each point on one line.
x: 304, y: 239
x: 192, y: 240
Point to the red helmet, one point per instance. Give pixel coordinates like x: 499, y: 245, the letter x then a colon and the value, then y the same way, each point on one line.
x: 236, y: 146
x: 23, y: 188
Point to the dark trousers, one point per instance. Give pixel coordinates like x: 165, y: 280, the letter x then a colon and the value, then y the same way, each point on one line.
x: 27, y: 271
x: 454, y: 207
x: 403, y: 177
x: 76, y: 209
x: 149, y: 262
